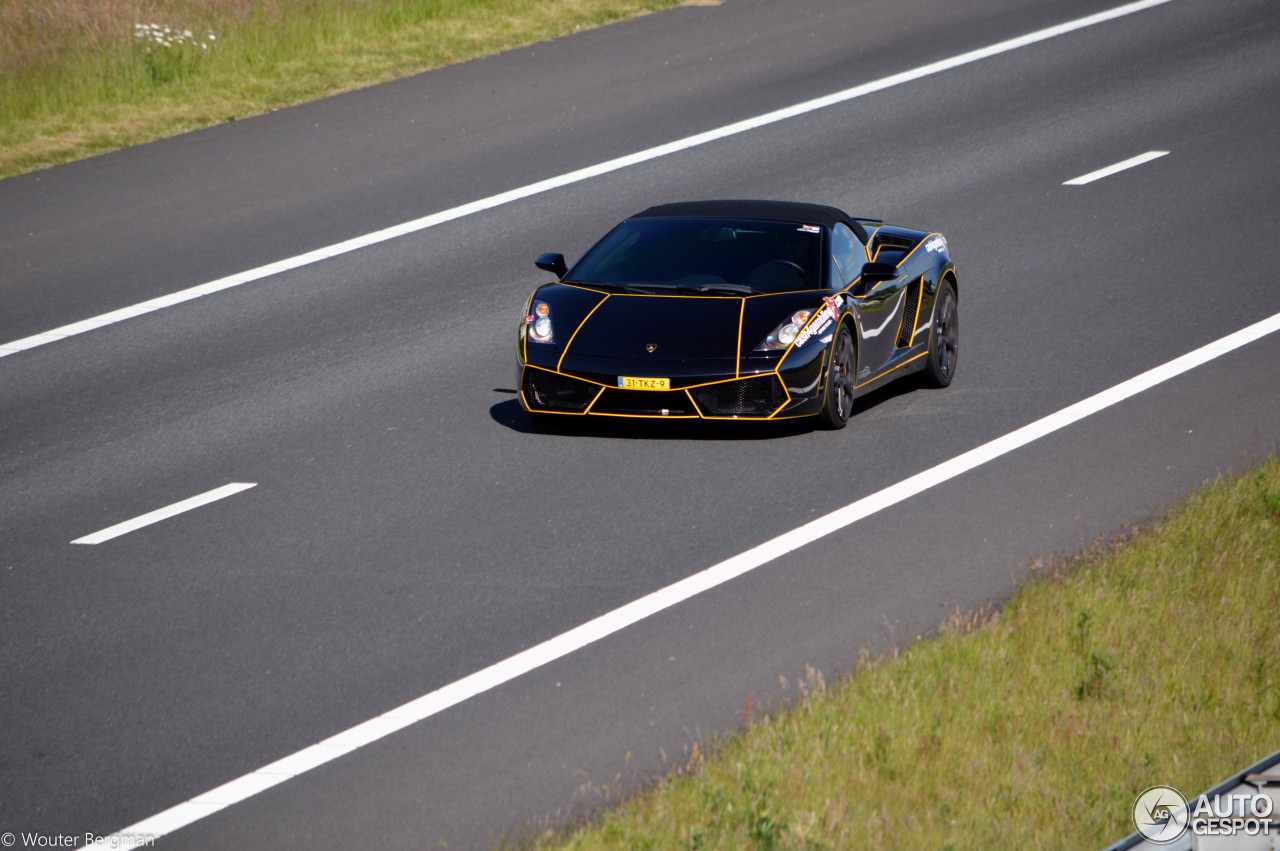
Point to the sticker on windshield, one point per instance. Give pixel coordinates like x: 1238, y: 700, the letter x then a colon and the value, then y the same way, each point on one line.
x: 809, y: 229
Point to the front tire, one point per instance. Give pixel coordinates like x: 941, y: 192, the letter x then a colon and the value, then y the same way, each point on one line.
x: 944, y: 341
x: 837, y: 400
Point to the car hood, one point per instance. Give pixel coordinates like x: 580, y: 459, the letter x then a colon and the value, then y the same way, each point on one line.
x: 660, y: 328
x: 601, y: 334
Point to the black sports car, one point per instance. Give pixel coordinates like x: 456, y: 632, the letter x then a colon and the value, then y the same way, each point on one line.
x: 738, y: 310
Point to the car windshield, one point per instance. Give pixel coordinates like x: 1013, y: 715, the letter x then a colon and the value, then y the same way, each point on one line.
x: 706, y: 255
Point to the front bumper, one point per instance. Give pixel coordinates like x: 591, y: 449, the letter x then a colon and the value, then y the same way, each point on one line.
x: 765, y: 395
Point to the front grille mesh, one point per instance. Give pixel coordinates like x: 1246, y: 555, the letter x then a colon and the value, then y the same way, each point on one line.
x: 759, y: 396
x: 554, y: 392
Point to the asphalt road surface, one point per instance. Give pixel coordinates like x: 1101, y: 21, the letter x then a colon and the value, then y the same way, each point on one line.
x: 408, y: 526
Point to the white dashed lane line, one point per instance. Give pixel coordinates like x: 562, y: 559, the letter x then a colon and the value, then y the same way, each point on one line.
x: 941, y: 66
x: 165, y: 513
x: 1114, y: 169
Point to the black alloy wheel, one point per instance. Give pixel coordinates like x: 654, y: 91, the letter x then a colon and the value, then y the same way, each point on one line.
x: 944, y: 342
x: 837, y: 404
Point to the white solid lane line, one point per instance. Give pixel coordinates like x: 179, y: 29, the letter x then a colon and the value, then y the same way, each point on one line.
x: 1113, y: 169
x: 592, y: 631
x: 547, y: 185
x: 165, y: 513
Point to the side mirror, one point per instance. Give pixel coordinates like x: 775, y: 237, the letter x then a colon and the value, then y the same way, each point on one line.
x: 874, y: 273
x: 553, y: 263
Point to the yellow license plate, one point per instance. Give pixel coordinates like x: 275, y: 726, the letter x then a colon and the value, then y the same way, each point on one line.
x: 627, y: 383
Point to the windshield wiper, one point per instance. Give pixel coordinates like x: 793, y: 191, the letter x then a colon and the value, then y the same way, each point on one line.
x: 735, y: 289
x: 604, y: 285
x: 669, y: 288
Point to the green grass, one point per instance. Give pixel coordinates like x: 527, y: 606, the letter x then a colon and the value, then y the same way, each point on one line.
x: 77, y: 78
x: 1155, y: 660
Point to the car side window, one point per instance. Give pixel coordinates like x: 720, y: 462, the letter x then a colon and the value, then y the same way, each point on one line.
x: 848, y: 252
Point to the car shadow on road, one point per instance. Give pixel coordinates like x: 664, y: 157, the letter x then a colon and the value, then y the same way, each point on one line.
x: 511, y: 415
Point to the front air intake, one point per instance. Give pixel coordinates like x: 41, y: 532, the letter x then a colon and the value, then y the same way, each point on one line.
x: 645, y: 403
x: 550, y: 391
x: 758, y: 396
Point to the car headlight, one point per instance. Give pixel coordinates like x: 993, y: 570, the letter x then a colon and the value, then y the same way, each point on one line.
x: 785, y: 334
x: 538, y: 323
x: 801, y: 326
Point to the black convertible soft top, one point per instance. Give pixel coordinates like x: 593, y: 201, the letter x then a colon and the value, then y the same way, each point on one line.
x: 784, y: 211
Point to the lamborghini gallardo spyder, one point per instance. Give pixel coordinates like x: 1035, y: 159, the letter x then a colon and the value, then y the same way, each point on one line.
x: 746, y: 310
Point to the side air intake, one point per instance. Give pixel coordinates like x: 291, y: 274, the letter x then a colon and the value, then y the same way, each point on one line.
x: 890, y: 242
x: 910, y: 313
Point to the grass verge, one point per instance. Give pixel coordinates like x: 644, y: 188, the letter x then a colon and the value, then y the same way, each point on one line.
x: 82, y: 77
x: 1153, y: 660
